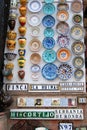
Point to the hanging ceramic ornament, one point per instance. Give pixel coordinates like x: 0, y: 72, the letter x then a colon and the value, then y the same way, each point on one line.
x: 22, y: 42
x: 21, y: 52
x: 21, y: 74
x: 23, y: 2
x: 21, y: 62
x: 11, y: 44
x: 22, y: 20
x: 22, y: 30
x: 11, y: 24
x: 23, y: 10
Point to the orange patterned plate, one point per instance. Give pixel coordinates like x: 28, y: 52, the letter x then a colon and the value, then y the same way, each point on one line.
x: 62, y: 15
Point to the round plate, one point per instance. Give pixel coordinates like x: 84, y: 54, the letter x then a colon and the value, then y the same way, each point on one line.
x: 34, y: 5
x: 49, y: 71
x: 76, y: 6
x: 48, y: 42
x: 35, y: 58
x: 35, y: 76
x: 49, y: 1
x: 63, y: 41
x: 62, y: 15
x: 63, y: 55
x: 77, y: 32
x: 35, y: 68
x: 34, y: 20
x: 48, y: 32
x: 78, y: 62
x: 49, y: 56
x: 62, y: 28
x: 62, y: 6
x: 35, y: 45
x: 65, y: 71
x: 48, y: 21
x: 77, y: 18
x: 78, y: 74
x: 78, y: 47
x: 48, y: 9
x: 35, y: 31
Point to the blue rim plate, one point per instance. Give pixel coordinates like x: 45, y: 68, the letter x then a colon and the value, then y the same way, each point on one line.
x: 48, y: 32
x: 49, y: 56
x: 35, y: 68
x: 49, y: 1
x: 49, y: 9
x: 49, y: 71
x: 48, y: 42
x: 48, y: 21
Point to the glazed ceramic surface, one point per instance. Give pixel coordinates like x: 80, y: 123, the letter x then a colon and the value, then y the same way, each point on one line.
x: 49, y: 9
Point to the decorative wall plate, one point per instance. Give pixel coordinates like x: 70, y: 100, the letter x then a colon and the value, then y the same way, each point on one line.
x: 35, y: 58
x: 78, y: 62
x: 63, y: 41
x: 63, y: 54
x: 77, y: 18
x: 49, y: 9
x: 65, y: 71
x: 49, y: 1
x: 62, y: 6
x: 34, y: 6
x: 48, y: 21
x: 78, y: 74
x: 62, y: 15
x: 77, y: 32
x: 48, y: 42
x: 35, y: 68
x: 76, y: 6
x: 35, y: 76
x: 78, y: 47
x: 48, y: 32
x: 49, y: 56
x: 62, y: 28
x: 35, y: 45
x: 49, y: 71
x: 10, y: 56
x: 34, y: 20
x: 35, y: 31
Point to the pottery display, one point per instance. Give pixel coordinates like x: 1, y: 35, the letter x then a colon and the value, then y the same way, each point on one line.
x: 35, y: 58
x: 11, y: 35
x: 23, y: 2
x: 6, y: 72
x: 21, y: 74
x: 23, y: 10
x: 22, y: 20
x: 35, y: 68
x: 63, y: 6
x: 49, y: 9
x: 78, y: 62
x: 22, y: 42
x: 13, y: 4
x: 12, y: 14
x: 21, y: 52
x: 35, y: 31
x: 9, y: 77
x: 49, y: 1
x: 78, y: 74
x: 11, y: 23
x: 9, y: 66
x: 77, y: 18
x: 49, y: 32
x: 62, y: 15
x: 21, y: 62
x: 22, y: 30
x: 35, y: 45
x: 11, y: 44
x: 10, y: 56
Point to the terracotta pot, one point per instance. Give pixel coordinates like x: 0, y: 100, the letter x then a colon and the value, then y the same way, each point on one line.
x: 21, y: 62
x: 11, y: 35
x: 21, y: 74
x: 9, y: 77
x: 21, y: 52
x: 22, y: 30
x: 11, y: 23
x: 23, y: 10
x: 9, y: 66
x: 22, y: 42
x: 23, y: 2
x: 11, y: 44
x: 12, y: 14
x: 22, y: 20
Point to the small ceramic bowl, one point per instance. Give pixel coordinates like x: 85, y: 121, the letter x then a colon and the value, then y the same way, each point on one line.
x: 35, y: 45
x: 34, y: 6
x: 62, y: 6
x: 77, y: 18
x: 35, y: 31
x: 35, y: 58
x: 62, y: 15
x: 49, y: 9
x: 49, y: 32
x: 35, y: 68
x: 10, y: 56
x: 78, y: 74
x: 78, y: 62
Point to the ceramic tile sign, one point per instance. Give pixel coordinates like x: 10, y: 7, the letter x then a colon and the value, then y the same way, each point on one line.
x: 65, y: 114
x: 65, y: 126
x: 82, y: 100
x: 46, y: 102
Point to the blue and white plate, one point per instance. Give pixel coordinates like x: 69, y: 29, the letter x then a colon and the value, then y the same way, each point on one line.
x: 48, y: 42
x: 49, y: 56
x: 48, y: 32
x: 48, y: 21
x: 49, y: 9
x: 49, y: 71
x: 35, y: 68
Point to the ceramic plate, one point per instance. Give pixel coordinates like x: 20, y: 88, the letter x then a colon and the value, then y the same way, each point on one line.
x: 48, y: 42
x: 62, y: 28
x: 49, y: 56
x: 78, y: 74
x: 35, y: 76
x: 35, y: 31
x: 76, y: 6
x: 35, y: 68
x: 77, y: 18
x: 65, y: 71
x: 35, y: 45
x: 49, y: 1
x: 77, y: 32
x: 49, y: 9
x: 62, y: 6
x: 34, y: 20
x: 78, y: 62
x: 62, y: 15
x: 48, y: 32
x: 63, y: 41
x: 34, y: 5
x: 63, y: 54
x: 48, y: 21
x: 49, y: 71
x: 78, y: 47
x: 35, y: 58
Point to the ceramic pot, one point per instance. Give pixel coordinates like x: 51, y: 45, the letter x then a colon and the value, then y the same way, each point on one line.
x: 23, y: 10
x: 12, y: 14
x: 10, y: 56
x: 11, y: 44
x: 9, y: 77
x: 23, y: 2
x: 9, y: 66
x: 21, y: 52
x: 21, y: 74
x: 22, y: 42
x: 6, y: 72
x: 13, y: 4
x: 11, y: 35
x: 11, y: 23
x: 22, y: 20
x: 21, y: 62
x: 22, y: 30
